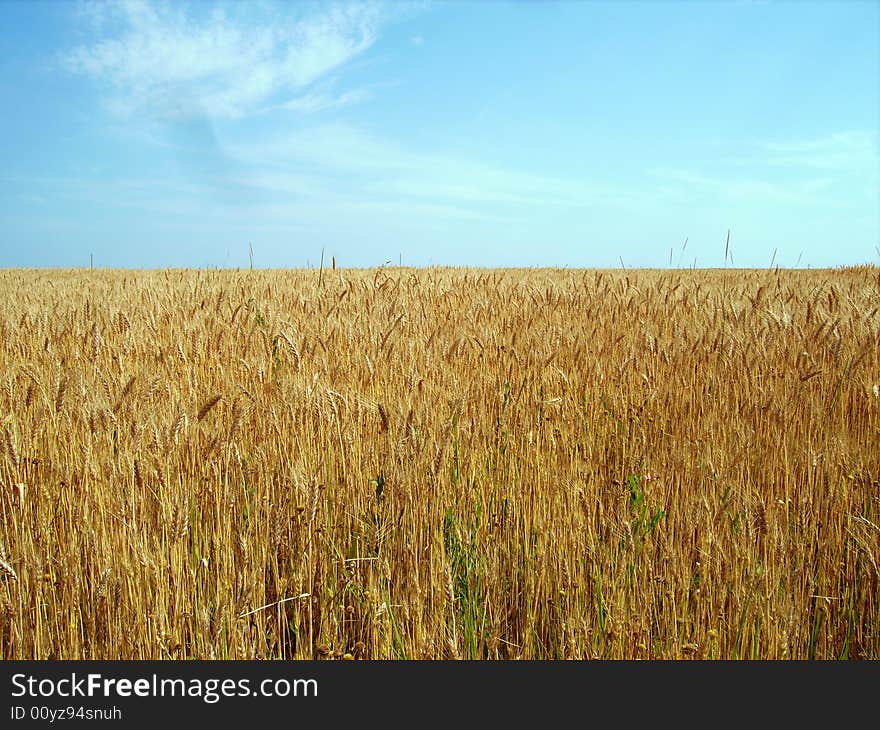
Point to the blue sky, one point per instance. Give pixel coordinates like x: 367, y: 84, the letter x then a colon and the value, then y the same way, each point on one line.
x: 574, y: 134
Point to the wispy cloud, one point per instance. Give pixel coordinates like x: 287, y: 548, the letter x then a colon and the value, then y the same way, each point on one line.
x: 381, y: 170
x: 168, y: 59
x: 696, y: 185
x: 808, y: 172
x: 333, y: 175
x: 317, y: 101
x: 849, y: 151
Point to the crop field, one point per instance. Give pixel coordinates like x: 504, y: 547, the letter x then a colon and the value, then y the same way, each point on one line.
x: 440, y: 463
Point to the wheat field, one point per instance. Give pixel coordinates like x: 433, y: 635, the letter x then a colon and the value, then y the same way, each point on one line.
x: 440, y: 463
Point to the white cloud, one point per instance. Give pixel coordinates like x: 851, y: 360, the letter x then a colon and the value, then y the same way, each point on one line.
x: 823, y: 171
x: 758, y: 190
x: 380, y: 171
x: 319, y: 101
x: 328, y: 147
x: 170, y: 58
x: 841, y: 151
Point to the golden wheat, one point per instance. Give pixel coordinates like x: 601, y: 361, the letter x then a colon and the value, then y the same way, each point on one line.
x: 440, y: 463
